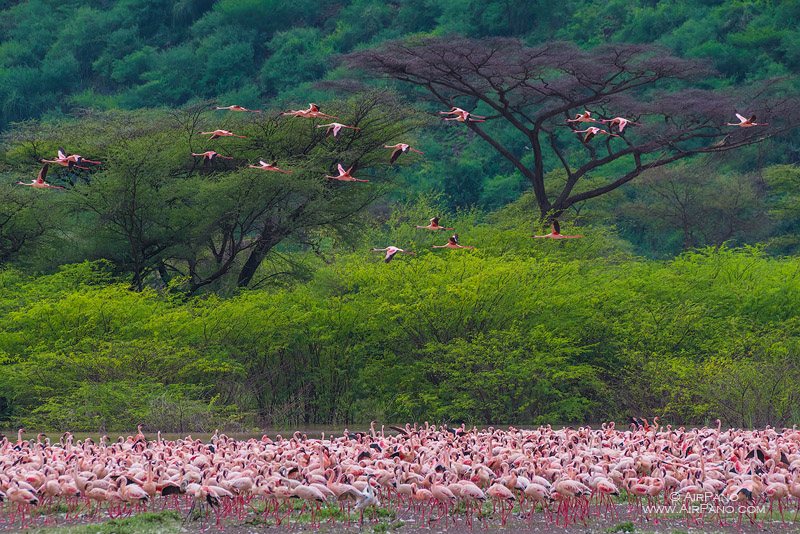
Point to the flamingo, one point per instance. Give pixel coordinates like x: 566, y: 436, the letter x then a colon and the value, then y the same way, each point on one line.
x: 555, y: 233
x: 238, y: 108
x: 592, y: 131
x: 368, y: 499
x: 333, y: 128
x: 39, y: 182
x: 586, y: 116
x: 744, y: 122
x: 461, y: 115
x: 619, y: 122
x: 501, y: 495
x: 310, y: 495
x: 434, y: 225
x: 777, y: 491
x: 131, y: 493
x: 264, y: 166
x: 400, y: 148
x: 23, y: 499
x: 70, y: 161
x: 391, y: 251
x: 216, y: 134
x: 209, y: 156
x: 452, y: 243
x: 344, y: 175
x: 312, y: 112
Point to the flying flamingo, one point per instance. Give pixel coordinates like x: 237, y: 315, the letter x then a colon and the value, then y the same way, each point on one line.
x: 400, y: 148
x: 591, y: 131
x: 210, y: 156
x: 452, y: 243
x: 461, y: 115
x: 312, y: 112
x: 216, y: 134
x: 39, y: 182
x: 619, y: 122
x: 334, y: 128
x: 264, y: 166
x: 391, y: 252
x: 586, y: 116
x: 555, y: 233
x: 344, y: 175
x: 744, y: 122
x: 71, y: 160
x: 239, y: 108
x: 434, y: 225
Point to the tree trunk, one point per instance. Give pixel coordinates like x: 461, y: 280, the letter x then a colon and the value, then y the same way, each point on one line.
x: 266, y: 241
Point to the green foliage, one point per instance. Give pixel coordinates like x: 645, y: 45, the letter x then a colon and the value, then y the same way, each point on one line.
x: 515, y: 332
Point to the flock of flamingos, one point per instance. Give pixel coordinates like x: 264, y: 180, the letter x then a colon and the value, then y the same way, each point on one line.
x: 438, y: 476
x: 344, y: 175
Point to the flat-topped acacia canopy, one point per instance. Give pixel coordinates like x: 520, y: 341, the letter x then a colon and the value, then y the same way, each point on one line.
x: 535, y: 89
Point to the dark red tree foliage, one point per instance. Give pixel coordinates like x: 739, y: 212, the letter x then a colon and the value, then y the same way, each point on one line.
x: 535, y: 89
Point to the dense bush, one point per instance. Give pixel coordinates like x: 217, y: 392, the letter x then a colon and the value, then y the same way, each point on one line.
x: 515, y: 332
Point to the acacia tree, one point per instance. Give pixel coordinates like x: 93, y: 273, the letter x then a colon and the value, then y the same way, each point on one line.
x: 250, y: 212
x: 155, y: 210
x: 534, y: 89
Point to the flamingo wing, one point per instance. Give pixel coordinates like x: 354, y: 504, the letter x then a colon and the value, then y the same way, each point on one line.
x: 42, y: 173
x: 556, y: 227
x: 62, y: 154
x: 395, y: 154
x: 341, y: 169
x: 741, y: 118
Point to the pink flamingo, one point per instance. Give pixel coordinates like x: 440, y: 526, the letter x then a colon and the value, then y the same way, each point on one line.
x: 312, y: 112
x: 264, y: 166
x: 216, y: 134
x: 592, y: 131
x: 461, y: 115
x: 344, y: 175
x: 334, y: 128
x: 391, y: 251
x: 586, y: 116
x: 619, y: 122
x: 209, y: 156
x: 744, y: 122
x: 434, y: 225
x: 453, y: 243
x: 555, y: 233
x: 400, y: 148
x: 39, y: 182
x: 239, y: 108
